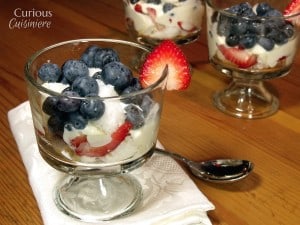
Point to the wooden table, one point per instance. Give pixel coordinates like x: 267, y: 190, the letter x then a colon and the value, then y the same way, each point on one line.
x: 190, y: 124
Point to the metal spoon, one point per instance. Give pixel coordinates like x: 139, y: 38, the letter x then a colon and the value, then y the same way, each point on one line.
x: 218, y: 170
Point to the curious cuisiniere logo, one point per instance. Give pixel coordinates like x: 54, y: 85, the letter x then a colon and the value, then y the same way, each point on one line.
x: 30, y: 19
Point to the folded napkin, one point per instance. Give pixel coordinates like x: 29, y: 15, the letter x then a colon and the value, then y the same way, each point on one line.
x: 169, y: 195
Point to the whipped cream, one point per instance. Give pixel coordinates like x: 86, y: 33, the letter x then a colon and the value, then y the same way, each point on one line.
x: 98, y: 132
x: 182, y: 19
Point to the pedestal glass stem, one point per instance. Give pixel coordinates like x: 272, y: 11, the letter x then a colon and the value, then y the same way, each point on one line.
x: 246, y: 98
x: 93, y: 199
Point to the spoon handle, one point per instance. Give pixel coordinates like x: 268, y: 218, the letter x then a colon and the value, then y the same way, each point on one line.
x: 172, y: 154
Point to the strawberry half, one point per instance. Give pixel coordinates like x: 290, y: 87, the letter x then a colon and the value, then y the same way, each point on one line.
x: 292, y: 9
x: 84, y: 148
x: 166, y: 53
x: 238, y: 56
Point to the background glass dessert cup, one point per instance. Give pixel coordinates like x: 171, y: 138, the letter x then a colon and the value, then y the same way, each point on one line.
x: 150, y: 22
x: 96, y: 148
x: 250, y: 42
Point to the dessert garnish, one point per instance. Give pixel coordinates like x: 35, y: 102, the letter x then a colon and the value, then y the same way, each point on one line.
x: 293, y: 8
x: 167, y: 53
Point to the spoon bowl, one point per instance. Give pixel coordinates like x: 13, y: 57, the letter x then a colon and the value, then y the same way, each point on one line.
x: 218, y: 170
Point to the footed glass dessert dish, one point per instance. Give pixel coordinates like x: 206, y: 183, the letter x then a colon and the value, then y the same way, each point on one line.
x: 94, y: 122
x: 150, y: 22
x: 251, y: 42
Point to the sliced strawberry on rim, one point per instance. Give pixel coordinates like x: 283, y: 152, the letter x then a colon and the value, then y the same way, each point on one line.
x: 84, y: 148
x: 238, y: 56
x: 293, y: 8
x: 167, y: 53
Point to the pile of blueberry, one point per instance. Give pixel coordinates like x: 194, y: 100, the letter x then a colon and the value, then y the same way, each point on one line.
x: 263, y: 25
x: 79, y: 102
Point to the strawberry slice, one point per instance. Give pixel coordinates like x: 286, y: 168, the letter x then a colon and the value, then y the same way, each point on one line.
x: 84, y: 148
x: 292, y: 9
x: 75, y: 142
x: 238, y: 56
x: 166, y: 53
x: 186, y: 27
x: 138, y: 8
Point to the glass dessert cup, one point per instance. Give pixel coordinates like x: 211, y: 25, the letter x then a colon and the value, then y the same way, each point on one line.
x: 150, y: 23
x: 98, y: 186
x: 250, y: 49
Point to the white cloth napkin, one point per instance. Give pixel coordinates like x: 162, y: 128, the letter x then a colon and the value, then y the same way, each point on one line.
x: 170, y: 196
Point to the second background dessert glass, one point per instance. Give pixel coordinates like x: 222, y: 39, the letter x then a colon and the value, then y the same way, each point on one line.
x: 250, y: 42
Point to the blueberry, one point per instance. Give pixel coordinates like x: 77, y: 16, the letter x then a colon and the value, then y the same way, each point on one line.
x: 92, y: 108
x: 49, y: 72
x: 68, y: 126
x: 167, y: 7
x: 278, y: 36
x: 134, y: 86
x: 146, y: 104
x: 137, y: 99
x: 234, y: 9
x: 256, y: 27
x: 73, y: 69
x: 134, y: 114
x: 244, y: 9
x: 68, y: 101
x: 266, y: 43
x: 97, y: 75
x: 56, y: 124
x: 50, y: 105
x: 273, y: 13
x: 88, y: 55
x: 248, y: 40
x: 135, y: 82
x: 85, y: 86
x: 134, y: 1
x: 117, y: 74
x: 64, y: 80
x: 288, y: 29
x: 262, y: 8
x: 77, y: 120
x: 157, y: 2
x: 104, y: 56
x: 239, y: 28
x: 232, y: 40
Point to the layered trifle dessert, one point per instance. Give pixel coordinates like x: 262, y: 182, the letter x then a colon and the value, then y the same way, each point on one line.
x: 254, y: 39
x: 98, y: 106
x: 151, y: 21
x: 93, y: 111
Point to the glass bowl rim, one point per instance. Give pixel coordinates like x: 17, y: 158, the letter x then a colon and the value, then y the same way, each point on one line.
x: 43, y: 89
